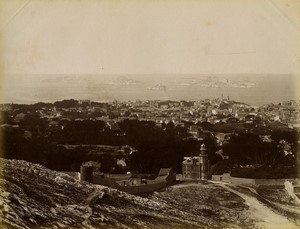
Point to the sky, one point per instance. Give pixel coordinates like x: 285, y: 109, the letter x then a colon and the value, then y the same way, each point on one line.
x: 45, y: 38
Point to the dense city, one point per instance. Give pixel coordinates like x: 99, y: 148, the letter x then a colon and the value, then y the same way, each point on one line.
x: 144, y: 136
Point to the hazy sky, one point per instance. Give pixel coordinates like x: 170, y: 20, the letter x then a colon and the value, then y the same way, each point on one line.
x: 66, y: 37
x: 39, y: 38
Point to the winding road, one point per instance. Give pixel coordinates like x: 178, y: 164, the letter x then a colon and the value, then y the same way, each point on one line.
x: 263, y: 215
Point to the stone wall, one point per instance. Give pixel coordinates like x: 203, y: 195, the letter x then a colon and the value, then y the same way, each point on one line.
x: 238, y: 180
x: 151, y: 186
x: 224, y: 178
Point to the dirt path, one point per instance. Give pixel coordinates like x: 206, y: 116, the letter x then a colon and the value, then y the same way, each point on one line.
x: 292, y: 209
x: 260, y: 213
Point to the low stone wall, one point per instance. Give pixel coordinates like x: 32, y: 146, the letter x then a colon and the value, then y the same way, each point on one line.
x: 271, y: 181
x: 225, y: 177
x: 238, y: 180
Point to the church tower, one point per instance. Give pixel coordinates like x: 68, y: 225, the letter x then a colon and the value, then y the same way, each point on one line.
x: 204, y: 163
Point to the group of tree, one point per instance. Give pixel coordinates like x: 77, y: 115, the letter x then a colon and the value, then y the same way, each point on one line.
x: 157, y: 147
x: 250, y: 149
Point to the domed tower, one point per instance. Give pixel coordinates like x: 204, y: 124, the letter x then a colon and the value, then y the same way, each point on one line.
x: 204, y: 163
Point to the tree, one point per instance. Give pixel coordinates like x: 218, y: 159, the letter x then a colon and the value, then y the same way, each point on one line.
x: 249, y: 149
x: 66, y: 103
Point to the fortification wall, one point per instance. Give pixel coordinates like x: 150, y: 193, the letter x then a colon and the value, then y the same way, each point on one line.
x: 118, y: 177
x: 99, y: 179
x: 151, y: 186
x: 124, y: 182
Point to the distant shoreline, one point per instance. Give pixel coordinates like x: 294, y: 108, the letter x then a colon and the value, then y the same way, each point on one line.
x: 253, y: 89
x: 133, y: 101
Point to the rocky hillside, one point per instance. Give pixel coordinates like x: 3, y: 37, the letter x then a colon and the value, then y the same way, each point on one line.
x: 35, y: 197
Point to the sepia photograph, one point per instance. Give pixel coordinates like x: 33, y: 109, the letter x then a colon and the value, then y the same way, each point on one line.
x: 149, y: 114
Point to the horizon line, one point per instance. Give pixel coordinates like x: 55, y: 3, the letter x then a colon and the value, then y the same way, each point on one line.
x: 122, y: 101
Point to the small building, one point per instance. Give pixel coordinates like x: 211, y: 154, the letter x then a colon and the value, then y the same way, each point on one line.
x: 163, y: 106
x: 19, y: 117
x: 194, y: 131
x: 196, y: 167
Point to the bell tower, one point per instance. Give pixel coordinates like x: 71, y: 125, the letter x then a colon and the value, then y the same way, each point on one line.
x: 204, y: 163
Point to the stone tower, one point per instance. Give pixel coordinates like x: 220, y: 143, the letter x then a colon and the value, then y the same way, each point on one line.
x: 86, y: 173
x: 204, y: 163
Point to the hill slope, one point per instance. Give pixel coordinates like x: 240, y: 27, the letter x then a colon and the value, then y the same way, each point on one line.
x: 34, y: 196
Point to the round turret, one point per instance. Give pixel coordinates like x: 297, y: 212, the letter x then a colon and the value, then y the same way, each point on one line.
x: 203, y: 149
x: 86, y: 173
x: 204, y: 163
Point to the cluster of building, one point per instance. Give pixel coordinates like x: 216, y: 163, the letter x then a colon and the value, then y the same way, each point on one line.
x: 212, y: 111
x: 194, y: 168
x: 225, y: 115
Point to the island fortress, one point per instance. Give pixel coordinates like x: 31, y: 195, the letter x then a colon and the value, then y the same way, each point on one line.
x: 196, y: 167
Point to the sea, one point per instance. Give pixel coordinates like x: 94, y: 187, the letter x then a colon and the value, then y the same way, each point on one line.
x: 253, y: 89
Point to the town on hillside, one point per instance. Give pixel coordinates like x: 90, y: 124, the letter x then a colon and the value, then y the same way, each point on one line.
x: 143, y: 137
